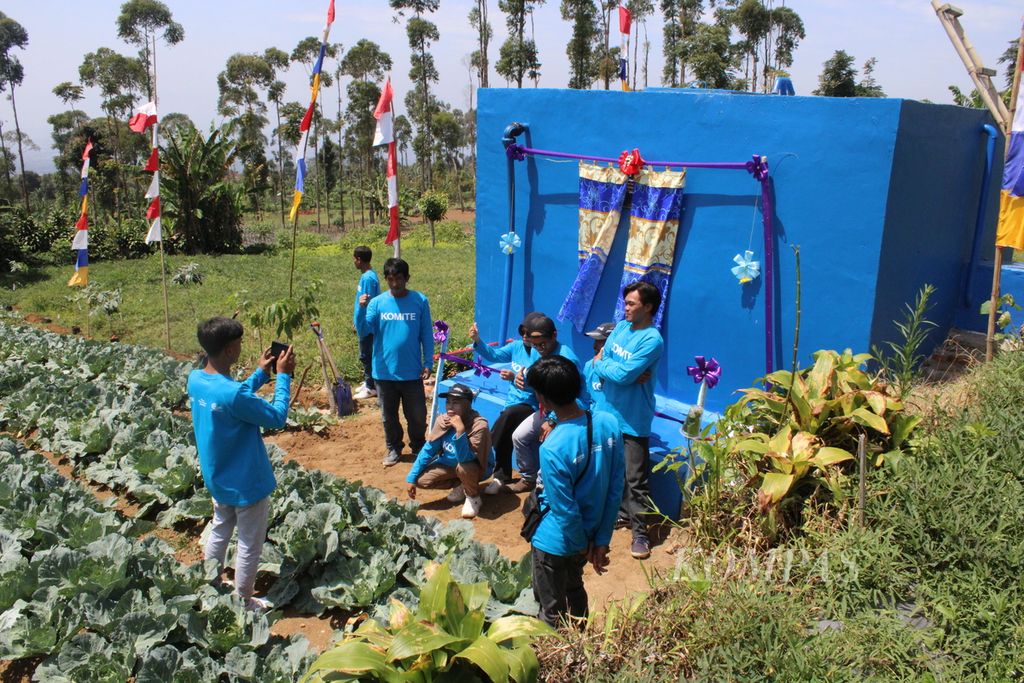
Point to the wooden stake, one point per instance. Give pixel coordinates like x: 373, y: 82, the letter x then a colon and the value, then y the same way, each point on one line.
x: 997, y: 270
x: 163, y: 280
x: 291, y: 272
x: 862, y: 459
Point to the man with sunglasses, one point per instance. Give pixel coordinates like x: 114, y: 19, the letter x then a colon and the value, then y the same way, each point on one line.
x: 542, y: 336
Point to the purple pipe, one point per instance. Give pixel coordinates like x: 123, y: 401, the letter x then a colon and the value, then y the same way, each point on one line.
x: 769, y: 275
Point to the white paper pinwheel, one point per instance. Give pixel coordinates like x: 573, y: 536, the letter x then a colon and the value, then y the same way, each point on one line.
x: 510, y: 243
x: 746, y: 269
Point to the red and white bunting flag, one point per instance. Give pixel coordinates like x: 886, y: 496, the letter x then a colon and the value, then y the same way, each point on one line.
x: 385, y: 135
x: 154, y: 209
x: 145, y: 116
x: 154, y: 186
x: 153, y: 163
x: 155, y: 234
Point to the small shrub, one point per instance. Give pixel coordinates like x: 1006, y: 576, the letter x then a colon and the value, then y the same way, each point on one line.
x: 434, y: 206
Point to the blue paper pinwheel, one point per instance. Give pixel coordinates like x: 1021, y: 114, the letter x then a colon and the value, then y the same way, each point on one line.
x: 510, y: 243
x: 746, y: 269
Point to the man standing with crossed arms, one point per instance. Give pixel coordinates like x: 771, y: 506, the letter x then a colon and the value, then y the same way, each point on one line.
x: 632, y: 350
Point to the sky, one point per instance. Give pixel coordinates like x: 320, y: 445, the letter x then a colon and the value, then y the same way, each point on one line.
x: 915, y: 57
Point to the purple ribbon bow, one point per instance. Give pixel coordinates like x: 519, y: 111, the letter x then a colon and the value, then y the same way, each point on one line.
x: 479, y: 369
x: 707, y: 371
x: 515, y: 152
x: 758, y: 167
x: 440, y: 331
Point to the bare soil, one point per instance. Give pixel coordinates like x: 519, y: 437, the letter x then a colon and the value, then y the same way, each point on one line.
x: 354, y: 450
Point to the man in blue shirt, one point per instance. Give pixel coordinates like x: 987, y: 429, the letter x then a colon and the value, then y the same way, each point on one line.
x: 582, y: 463
x: 625, y: 366
x: 457, y: 450
x: 542, y: 337
x: 520, y: 401
x: 227, y: 416
x: 369, y: 285
x: 403, y: 351
x: 594, y: 384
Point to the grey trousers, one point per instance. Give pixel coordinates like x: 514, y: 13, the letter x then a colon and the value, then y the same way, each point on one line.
x: 526, y: 442
x: 636, y: 494
x: 251, y: 522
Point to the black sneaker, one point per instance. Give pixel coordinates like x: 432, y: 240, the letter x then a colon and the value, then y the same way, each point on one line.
x: 641, y: 548
x: 621, y: 522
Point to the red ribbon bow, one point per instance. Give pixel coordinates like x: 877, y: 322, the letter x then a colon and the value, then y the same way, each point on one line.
x: 630, y: 163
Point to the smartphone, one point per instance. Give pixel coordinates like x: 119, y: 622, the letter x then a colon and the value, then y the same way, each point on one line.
x: 276, y: 349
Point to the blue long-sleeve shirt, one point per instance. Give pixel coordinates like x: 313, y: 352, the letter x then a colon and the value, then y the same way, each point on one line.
x: 594, y: 386
x: 627, y: 354
x: 449, y: 449
x: 584, y: 513
x: 368, y: 284
x: 403, y: 335
x: 227, y: 416
x: 521, y: 357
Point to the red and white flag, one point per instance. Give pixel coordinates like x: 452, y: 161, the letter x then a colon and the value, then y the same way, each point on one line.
x: 385, y: 135
x: 144, y: 117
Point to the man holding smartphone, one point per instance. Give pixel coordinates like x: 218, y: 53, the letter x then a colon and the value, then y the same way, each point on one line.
x: 403, y: 350
x: 227, y: 416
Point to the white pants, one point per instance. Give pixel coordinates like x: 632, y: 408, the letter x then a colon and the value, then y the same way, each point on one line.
x: 252, y: 531
x: 526, y: 442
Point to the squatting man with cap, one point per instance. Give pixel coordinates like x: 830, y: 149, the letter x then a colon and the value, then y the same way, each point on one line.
x: 458, y: 449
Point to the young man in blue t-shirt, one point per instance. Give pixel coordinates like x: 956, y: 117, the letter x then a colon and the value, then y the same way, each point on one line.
x: 457, y: 450
x: 542, y: 337
x: 583, y: 473
x: 520, y: 401
x: 625, y: 365
x: 227, y: 416
x: 403, y: 351
x: 369, y: 285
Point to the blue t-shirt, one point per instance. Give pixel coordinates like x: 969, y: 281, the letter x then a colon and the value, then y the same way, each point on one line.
x: 403, y: 335
x: 448, y: 451
x: 594, y: 386
x: 368, y: 284
x: 583, y: 513
x: 227, y: 416
x: 521, y: 357
x: 583, y: 401
x: 627, y: 354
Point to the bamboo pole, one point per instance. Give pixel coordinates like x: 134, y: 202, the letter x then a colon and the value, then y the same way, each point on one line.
x: 163, y: 268
x: 997, y: 268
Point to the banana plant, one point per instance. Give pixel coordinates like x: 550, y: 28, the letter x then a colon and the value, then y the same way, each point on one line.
x: 445, y: 640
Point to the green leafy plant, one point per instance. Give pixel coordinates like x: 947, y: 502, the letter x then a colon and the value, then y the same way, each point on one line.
x: 1004, y: 304
x: 292, y: 314
x: 444, y: 640
x: 900, y: 365
x: 434, y: 206
x: 188, y: 277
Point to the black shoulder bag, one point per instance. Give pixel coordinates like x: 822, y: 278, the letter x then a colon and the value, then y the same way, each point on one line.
x: 533, y: 511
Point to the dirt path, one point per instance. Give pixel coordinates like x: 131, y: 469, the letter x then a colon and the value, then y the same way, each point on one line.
x: 353, y: 450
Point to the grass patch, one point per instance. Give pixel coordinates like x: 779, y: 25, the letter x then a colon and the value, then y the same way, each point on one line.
x: 445, y: 273
x: 929, y: 590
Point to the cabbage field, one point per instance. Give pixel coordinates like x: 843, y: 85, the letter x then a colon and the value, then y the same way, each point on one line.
x: 77, y: 584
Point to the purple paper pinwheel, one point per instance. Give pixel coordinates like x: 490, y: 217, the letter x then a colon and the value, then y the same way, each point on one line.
x: 440, y: 331
x: 706, y: 371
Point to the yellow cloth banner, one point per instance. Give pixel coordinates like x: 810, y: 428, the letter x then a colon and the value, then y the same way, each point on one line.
x: 296, y: 200
x: 1010, y: 231
x: 80, y: 278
